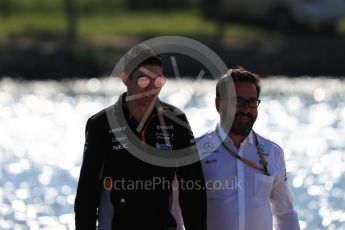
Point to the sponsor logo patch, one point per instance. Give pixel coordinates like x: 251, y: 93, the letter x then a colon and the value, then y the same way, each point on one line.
x: 120, y: 146
x: 165, y: 127
x: 164, y: 146
x: 118, y: 129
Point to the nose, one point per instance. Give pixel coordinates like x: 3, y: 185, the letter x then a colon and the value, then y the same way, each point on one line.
x: 245, y: 108
x: 152, y: 84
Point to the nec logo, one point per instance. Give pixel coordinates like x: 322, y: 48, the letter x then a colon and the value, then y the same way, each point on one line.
x: 120, y: 146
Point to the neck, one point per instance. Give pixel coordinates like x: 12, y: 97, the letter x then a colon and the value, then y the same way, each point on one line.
x: 236, y: 139
x: 136, y: 110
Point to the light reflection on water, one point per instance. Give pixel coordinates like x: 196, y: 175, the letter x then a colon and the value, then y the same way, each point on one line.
x: 42, y: 135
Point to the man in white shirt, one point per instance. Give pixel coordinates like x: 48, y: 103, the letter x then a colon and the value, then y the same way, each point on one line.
x: 245, y: 173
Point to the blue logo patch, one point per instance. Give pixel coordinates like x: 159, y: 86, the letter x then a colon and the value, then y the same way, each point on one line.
x: 164, y: 146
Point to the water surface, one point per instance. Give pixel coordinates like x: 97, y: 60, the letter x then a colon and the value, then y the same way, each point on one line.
x: 42, y: 135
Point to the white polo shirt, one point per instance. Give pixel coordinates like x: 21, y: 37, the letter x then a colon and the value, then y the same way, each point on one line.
x: 240, y: 197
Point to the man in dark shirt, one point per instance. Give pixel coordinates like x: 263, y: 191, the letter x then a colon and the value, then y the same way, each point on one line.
x: 123, y: 184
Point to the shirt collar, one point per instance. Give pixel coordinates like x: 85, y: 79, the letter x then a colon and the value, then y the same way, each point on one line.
x: 249, y: 139
x: 158, y: 108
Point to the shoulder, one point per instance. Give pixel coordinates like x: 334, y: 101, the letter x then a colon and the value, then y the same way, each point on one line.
x: 273, y: 152
x: 208, y: 136
x: 98, y: 120
x: 174, y: 114
x: 275, y: 156
x: 269, y: 143
x: 112, y: 110
x: 170, y: 108
x: 98, y: 116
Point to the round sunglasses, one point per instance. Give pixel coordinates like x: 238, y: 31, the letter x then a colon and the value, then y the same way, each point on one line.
x: 144, y: 81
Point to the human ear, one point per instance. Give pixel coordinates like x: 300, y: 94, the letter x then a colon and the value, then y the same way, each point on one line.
x: 124, y: 78
x: 217, y: 103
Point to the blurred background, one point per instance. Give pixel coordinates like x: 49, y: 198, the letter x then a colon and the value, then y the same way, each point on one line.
x: 83, y: 38
x: 56, y: 57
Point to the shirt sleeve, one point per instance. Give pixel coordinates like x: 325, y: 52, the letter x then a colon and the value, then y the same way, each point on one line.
x: 89, y: 185
x: 285, y: 217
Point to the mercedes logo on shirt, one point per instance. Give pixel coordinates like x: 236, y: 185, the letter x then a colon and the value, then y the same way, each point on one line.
x: 208, y: 146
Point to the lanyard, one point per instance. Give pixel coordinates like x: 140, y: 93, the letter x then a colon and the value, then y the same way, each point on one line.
x: 246, y: 161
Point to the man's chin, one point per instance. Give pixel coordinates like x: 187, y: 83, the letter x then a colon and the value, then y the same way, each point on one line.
x: 242, y: 130
x: 146, y: 101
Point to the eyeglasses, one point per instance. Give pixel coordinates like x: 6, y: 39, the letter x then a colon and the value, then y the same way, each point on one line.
x: 144, y: 81
x: 251, y: 103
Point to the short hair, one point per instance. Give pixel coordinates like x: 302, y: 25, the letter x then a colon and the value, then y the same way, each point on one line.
x: 138, y: 56
x: 238, y: 74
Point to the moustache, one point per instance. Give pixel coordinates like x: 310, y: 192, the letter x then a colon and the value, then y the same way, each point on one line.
x: 250, y: 116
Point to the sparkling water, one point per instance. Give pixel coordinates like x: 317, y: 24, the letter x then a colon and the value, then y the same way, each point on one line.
x: 42, y: 136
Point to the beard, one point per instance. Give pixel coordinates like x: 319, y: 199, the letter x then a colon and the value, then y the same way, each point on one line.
x: 242, y: 127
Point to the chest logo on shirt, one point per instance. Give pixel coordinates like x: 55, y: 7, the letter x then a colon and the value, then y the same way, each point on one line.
x: 211, y: 161
x: 165, y: 127
x: 208, y: 146
x: 119, y: 142
x: 120, y: 146
x: 164, y: 135
x: 119, y: 139
x: 118, y: 129
x: 168, y: 147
